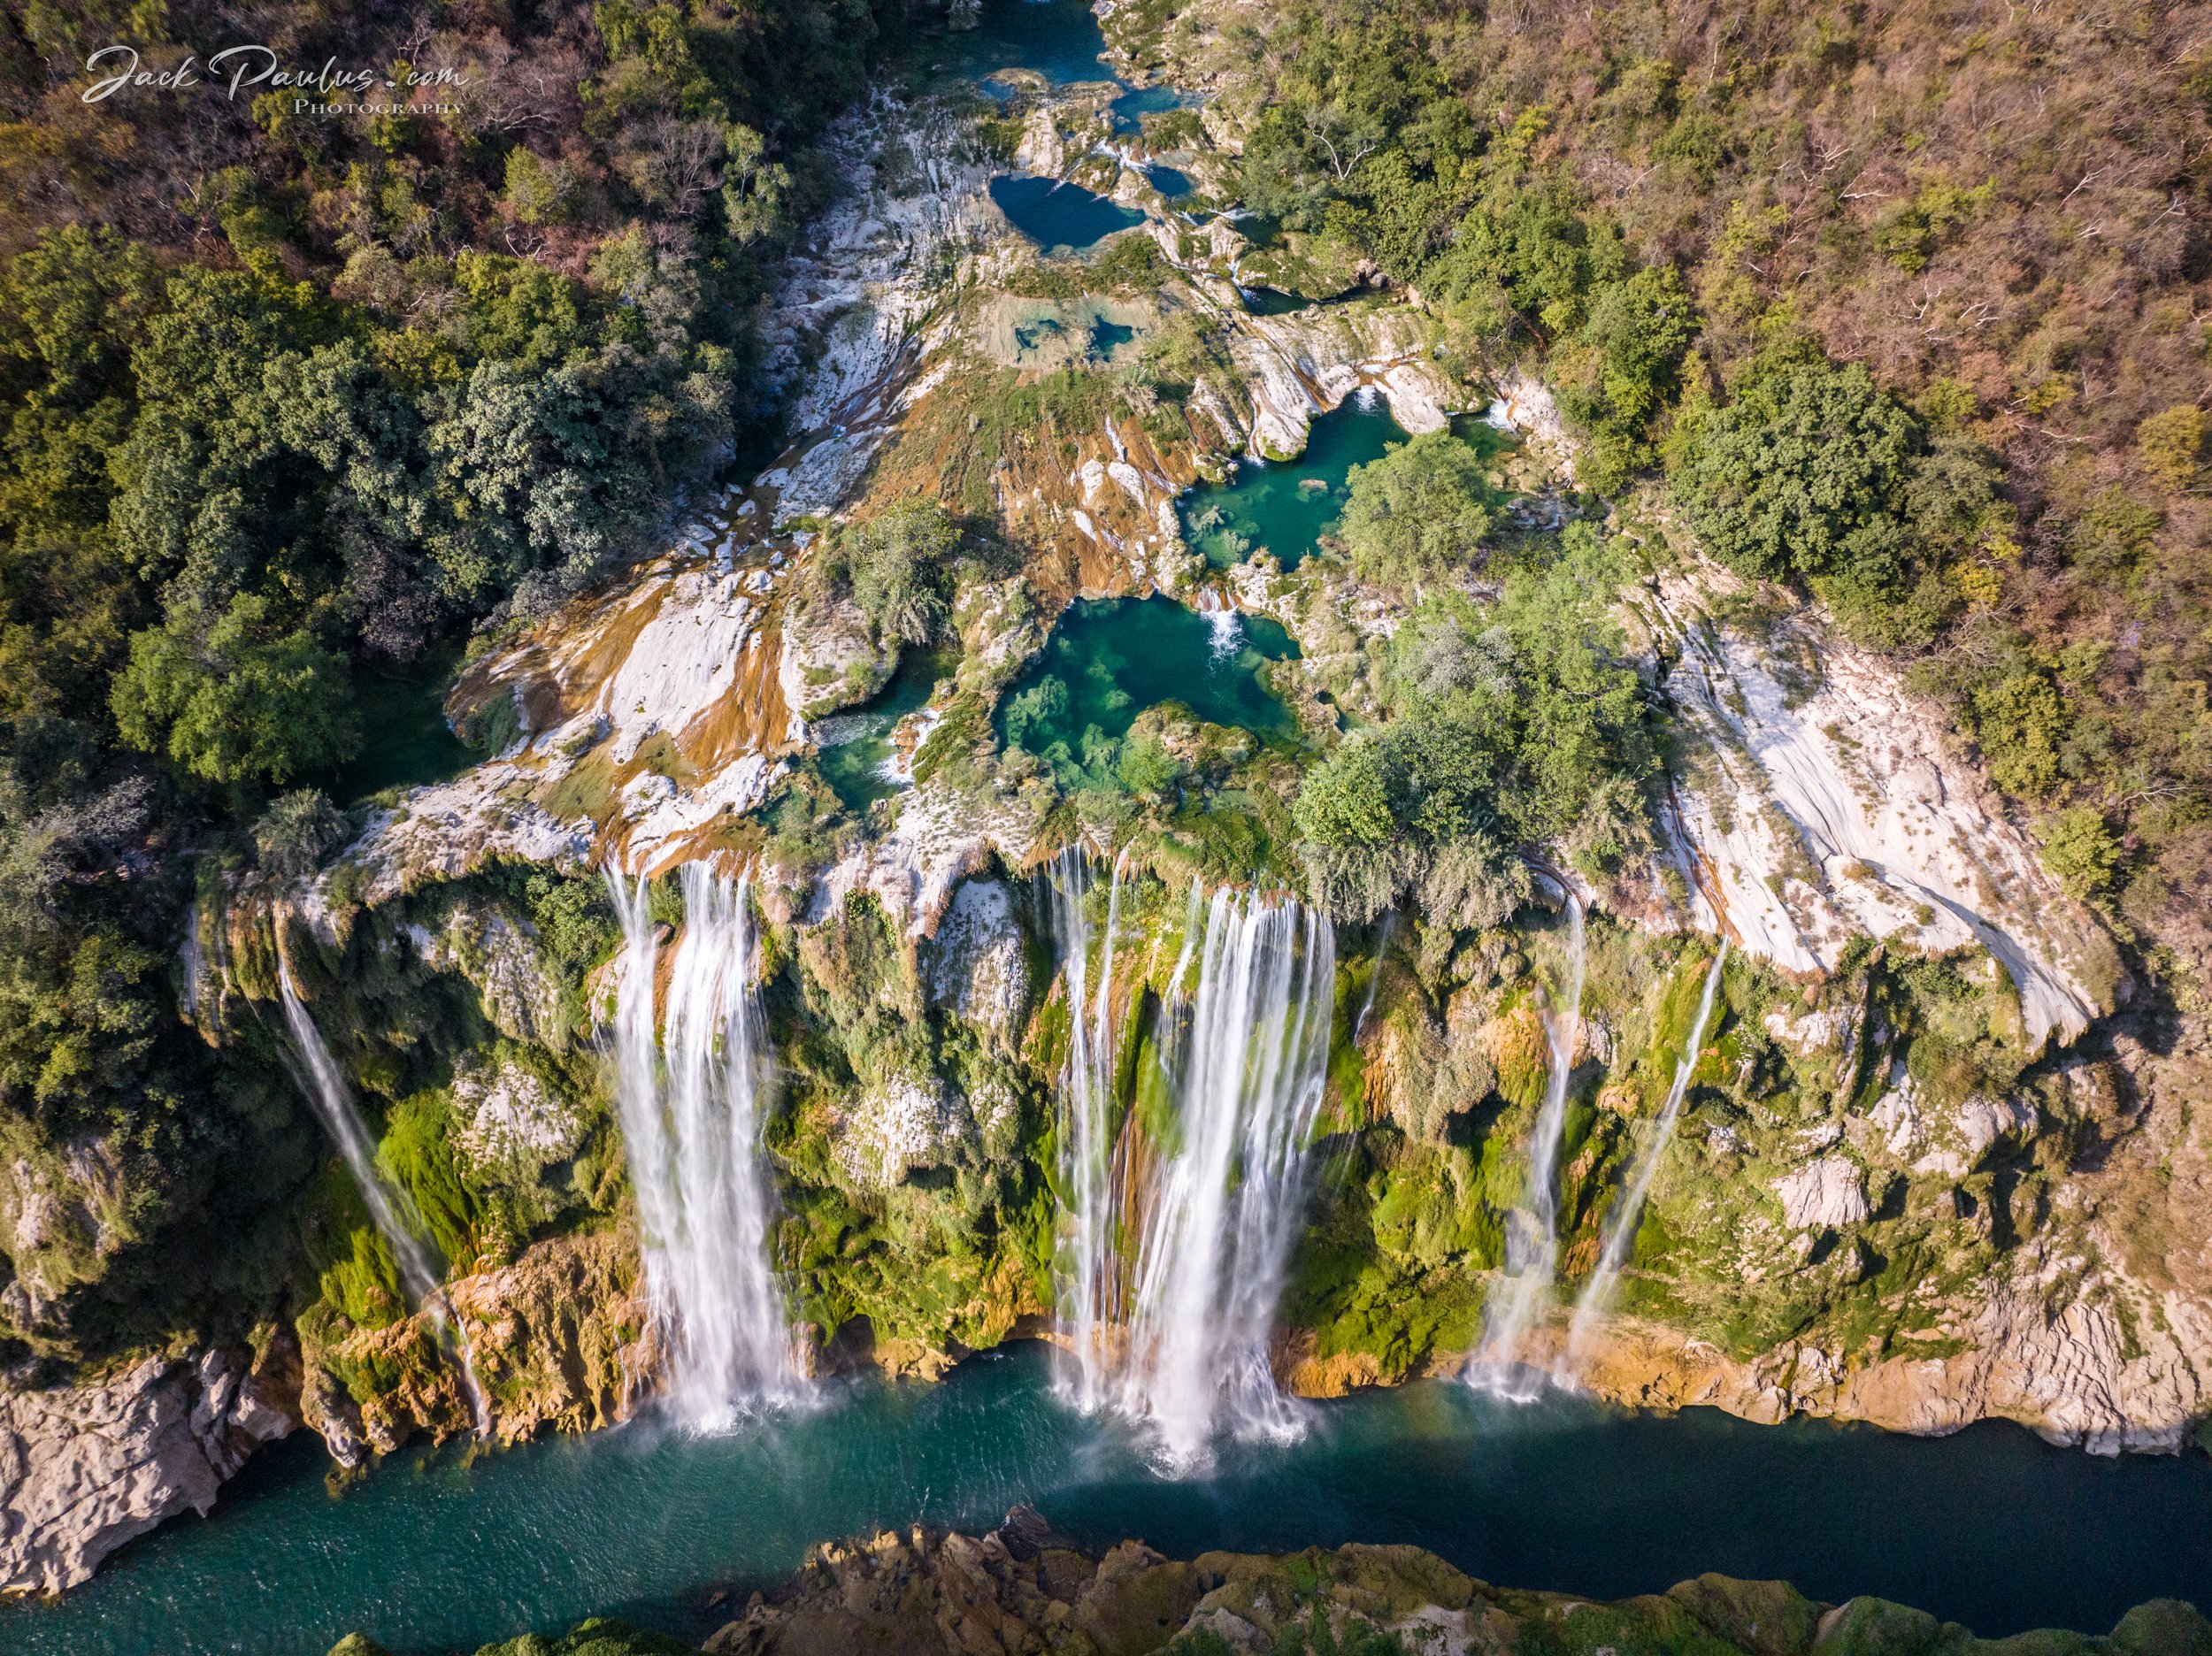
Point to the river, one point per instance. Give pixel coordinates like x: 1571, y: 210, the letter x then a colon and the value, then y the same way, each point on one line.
x: 1990, y: 1527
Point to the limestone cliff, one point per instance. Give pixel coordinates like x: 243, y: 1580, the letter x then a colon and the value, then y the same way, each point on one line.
x: 84, y: 1468
x: 1023, y: 1589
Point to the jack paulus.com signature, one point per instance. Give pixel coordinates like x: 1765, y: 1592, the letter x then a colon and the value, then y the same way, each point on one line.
x: 237, y: 69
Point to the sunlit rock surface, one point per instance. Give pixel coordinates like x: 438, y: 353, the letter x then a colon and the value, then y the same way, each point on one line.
x: 85, y: 1468
x: 1822, y: 801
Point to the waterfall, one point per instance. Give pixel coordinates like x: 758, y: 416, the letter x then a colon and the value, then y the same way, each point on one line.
x: 1374, y: 978
x: 1225, y: 628
x: 690, y: 1097
x: 390, y: 1208
x: 1531, y: 1244
x: 1620, y: 1229
x: 1088, y: 1273
x: 1249, y: 1073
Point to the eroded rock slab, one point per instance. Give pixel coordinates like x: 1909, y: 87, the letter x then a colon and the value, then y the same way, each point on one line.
x: 85, y: 1468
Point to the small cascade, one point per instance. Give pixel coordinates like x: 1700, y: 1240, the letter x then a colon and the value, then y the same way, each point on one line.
x: 1374, y: 979
x: 1224, y: 631
x: 1249, y: 1073
x: 691, y: 1094
x: 1531, y: 1243
x: 392, y: 1209
x: 1620, y: 1230
x: 1088, y: 1275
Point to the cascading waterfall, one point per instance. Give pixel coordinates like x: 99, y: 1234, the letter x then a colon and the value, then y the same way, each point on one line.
x: 1531, y: 1243
x: 1620, y: 1230
x: 691, y: 1111
x: 1224, y: 1212
x: 390, y: 1208
x: 1087, y: 1276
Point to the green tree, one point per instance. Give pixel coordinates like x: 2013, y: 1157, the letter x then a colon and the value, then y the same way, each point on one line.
x: 1515, y: 723
x: 2018, y: 720
x: 1801, y: 473
x: 2079, y: 849
x: 900, y: 564
x: 2171, y: 446
x: 238, y: 699
x: 1619, y: 372
x: 1418, y: 515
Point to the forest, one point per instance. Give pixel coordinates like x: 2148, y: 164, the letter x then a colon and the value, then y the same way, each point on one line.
x: 292, y: 405
x: 1898, y: 305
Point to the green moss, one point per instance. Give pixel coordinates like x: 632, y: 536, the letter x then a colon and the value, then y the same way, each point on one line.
x: 595, y: 1637
x: 1390, y: 1267
x: 417, y: 1154
x: 350, y: 1261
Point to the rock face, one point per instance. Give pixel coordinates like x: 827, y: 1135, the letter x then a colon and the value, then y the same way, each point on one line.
x: 1830, y: 1192
x: 1022, y: 1589
x: 1822, y: 802
x: 559, y: 1340
x: 2065, y: 1367
x: 85, y: 1468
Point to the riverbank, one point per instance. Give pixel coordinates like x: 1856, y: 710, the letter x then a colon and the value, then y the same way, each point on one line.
x: 442, y: 1550
x: 1023, y: 1587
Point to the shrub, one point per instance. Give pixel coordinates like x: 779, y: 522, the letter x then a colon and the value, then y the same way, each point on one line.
x: 2079, y: 849
x: 2170, y: 446
x: 295, y: 832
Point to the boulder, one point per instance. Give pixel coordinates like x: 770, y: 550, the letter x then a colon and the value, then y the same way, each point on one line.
x: 85, y: 1468
x: 1829, y: 1192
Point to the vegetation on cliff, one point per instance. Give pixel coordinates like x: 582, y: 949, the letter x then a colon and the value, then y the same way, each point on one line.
x: 1902, y: 306
x: 289, y: 395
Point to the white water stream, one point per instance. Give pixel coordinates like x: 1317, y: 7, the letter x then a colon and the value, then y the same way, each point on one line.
x: 1225, y: 1206
x: 1620, y: 1229
x: 397, y: 1218
x: 691, y: 1093
x: 1088, y: 1278
x: 1531, y: 1240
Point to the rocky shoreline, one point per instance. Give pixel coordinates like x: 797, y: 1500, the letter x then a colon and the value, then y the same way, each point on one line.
x: 84, y: 1469
x: 1022, y: 1590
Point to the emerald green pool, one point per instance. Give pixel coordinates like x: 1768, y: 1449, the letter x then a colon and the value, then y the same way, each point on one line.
x: 1284, y: 507
x: 405, y: 740
x: 1109, y: 660
x: 1992, y: 1528
x: 856, y: 750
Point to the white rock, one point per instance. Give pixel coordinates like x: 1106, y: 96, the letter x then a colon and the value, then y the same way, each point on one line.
x: 906, y: 1122
x: 1827, y: 804
x: 510, y: 1118
x: 1981, y: 1122
x: 1813, y: 1031
x: 978, y: 967
x: 1831, y: 1191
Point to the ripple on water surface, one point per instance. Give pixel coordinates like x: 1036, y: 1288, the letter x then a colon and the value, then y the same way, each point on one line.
x: 1992, y: 1527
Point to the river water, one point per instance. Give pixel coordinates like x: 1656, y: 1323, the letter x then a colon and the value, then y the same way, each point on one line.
x: 1990, y: 1527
